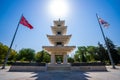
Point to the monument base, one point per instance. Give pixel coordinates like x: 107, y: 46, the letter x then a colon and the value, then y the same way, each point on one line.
x: 57, y: 67
x: 28, y: 67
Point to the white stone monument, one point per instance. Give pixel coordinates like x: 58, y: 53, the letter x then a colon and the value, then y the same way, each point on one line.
x: 59, y: 40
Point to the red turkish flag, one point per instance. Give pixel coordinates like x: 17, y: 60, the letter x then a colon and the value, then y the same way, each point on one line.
x: 24, y: 22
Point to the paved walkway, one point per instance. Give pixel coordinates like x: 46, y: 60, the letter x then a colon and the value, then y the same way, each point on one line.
x: 112, y: 74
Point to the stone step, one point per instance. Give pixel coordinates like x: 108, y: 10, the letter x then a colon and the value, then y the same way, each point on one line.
x: 58, y: 67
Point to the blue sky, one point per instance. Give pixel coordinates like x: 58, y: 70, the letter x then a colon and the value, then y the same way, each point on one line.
x: 81, y: 22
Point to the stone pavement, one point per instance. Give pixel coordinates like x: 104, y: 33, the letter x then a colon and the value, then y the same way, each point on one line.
x: 111, y: 74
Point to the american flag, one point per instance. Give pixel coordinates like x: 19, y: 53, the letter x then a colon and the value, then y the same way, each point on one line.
x: 104, y: 23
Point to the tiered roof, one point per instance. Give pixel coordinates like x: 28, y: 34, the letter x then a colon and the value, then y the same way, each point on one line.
x: 59, y: 36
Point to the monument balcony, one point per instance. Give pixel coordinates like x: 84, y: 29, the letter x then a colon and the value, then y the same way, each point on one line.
x: 59, y: 38
x: 59, y: 49
x: 59, y: 45
x: 55, y: 29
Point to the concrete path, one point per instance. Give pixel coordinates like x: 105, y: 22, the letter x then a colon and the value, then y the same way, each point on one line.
x: 112, y: 74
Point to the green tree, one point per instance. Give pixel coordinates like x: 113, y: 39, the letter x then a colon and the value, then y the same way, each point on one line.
x: 39, y: 56
x: 77, y: 56
x: 42, y: 56
x: 3, y: 52
x: 118, y: 49
x: 70, y: 60
x: 46, y: 57
x: 82, y: 51
x: 113, y: 51
x: 12, y: 56
x: 80, y: 54
x: 26, y: 54
x: 103, y: 56
x: 92, y: 51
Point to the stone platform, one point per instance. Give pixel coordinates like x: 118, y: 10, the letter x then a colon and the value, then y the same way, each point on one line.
x: 110, y: 74
x: 96, y: 66
x: 57, y: 67
x: 28, y: 67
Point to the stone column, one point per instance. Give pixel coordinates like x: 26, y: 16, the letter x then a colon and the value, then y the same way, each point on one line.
x: 65, y: 59
x: 52, y: 59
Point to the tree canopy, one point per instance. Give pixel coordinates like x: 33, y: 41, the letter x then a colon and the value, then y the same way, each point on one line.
x: 26, y: 54
x: 82, y: 54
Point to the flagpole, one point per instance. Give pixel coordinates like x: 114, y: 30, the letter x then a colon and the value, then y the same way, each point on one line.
x: 108, y: 50
x: 8, y: 53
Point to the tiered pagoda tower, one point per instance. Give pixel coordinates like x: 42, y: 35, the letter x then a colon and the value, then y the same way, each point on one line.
x: 59, y: 40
